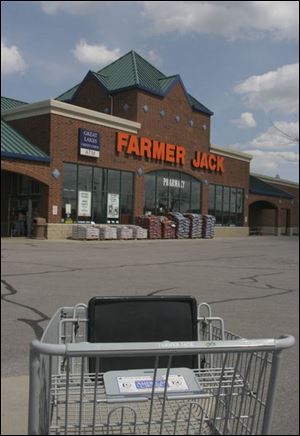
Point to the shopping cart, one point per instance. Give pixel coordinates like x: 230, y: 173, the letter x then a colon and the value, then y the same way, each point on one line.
x: 231, y: 391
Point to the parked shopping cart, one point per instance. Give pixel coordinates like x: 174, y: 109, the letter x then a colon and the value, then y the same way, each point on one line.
x: 229, y: 391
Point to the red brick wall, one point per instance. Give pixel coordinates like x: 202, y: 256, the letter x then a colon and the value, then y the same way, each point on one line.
x: 92, y: 96
x: 165, y: 128
x: 36, y: 130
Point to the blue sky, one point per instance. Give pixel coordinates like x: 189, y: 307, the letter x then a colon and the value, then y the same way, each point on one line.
x: 240, y: 59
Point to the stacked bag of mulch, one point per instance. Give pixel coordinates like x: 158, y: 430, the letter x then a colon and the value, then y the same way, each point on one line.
x: 168, y: 228
x: 182, y: 224
x: 152, y: 224
x: 124, y: 232
x: 195, y: 224
x: 85, y: 232
x: 208, y: 227
x: 138, y: 232
x: 107, y: 232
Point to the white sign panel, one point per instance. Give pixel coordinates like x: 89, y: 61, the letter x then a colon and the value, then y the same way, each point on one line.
x: 84, y: 203
x: 113, y: 206
x: 68, y: 207
x: 173, y: 183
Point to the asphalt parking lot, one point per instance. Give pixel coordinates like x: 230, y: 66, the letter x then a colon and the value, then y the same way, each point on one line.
x: 251, y: 282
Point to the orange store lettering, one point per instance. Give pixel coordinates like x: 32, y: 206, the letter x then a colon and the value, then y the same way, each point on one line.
x: 161, y: 151
x: 149, y: 148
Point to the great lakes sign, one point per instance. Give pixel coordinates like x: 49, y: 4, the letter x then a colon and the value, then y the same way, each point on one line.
x: 161, y: 151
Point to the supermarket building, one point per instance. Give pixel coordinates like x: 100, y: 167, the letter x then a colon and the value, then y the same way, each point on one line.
x: 128, y: 141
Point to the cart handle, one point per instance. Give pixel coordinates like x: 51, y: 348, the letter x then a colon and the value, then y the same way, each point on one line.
x: 89, y: 349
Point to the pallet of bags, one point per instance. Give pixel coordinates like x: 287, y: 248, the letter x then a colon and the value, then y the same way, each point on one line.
x: 85, y: 232
x: 78, y: 232
x: 92, y: 233
x: 208, y: 228
x: 168, y: 228
x: 107, y: 232
x: 195, y: 224
x: 182, y: 225
x: 152, y: 224
x: 139, y: 232
x: 124, y: 232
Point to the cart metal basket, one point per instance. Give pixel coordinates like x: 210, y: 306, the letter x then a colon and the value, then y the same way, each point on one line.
x: 230, y: 392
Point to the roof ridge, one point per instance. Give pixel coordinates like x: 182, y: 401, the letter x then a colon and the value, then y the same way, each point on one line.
x: 126, y: 54
x: 135, y: 67
x: 152, y: 66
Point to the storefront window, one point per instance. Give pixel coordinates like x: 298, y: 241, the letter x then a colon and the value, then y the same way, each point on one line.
x: 195, y: 196
x: 84, y: 202
x: 113, y: 182
x: 99, y: 202
x: 226, y: 203
x: 162, y: 192
x: 69, y: 196
x: 126, y: 197
x: 232, y: 206
x: 239, y: 206
x: 171, y: 191
x: 150, y: 189
x: 86, y: 191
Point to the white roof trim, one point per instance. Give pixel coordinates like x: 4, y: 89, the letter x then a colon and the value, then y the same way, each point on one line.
x: 71, y: 111
x: 231, y: 153
x: 276, y: 180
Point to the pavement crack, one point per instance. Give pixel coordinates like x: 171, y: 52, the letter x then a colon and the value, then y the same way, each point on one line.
x: 34, y: 324
x: 249, y: 282
x: 158, y: 291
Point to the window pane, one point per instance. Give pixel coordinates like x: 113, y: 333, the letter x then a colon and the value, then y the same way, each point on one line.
x: 185, y: 193
x: 98, y: 197
x: 232, y: 199
x: 113, y: 182
x: 149, y: 195
x: 126, y: 197
x: 239, y: 200
x: 69, y: 195
x: 239, y: 206
x: 219, y: 204
x: 226, y: 198
x: 195, y: 196
x: 85, y: 184
x: 84, y: 178
x: 162, y: 195
x: 211, y: 199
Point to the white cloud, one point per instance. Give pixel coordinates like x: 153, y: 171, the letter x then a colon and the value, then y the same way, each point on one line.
x: 245, y: 121
x: 276, y: 90
x: 239, y: 19
x: 11, y: 59
x: 153, y: 56
x: 268, y: 162
x: 69, y: 7
x: 283, y: 135
x: 95, y: 54
x: 273, y: 151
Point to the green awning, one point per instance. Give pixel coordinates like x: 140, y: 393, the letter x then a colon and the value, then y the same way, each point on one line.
x: 15, y: 146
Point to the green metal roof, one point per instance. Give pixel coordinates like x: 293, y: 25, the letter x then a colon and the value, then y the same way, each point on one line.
x: 133, y: 71
x: 15, y: 146
x: 10, y: 103
x: 259, y: 187
x: 66, y: 96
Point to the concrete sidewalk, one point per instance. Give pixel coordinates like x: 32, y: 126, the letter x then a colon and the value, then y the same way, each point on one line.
x: 14, y: 405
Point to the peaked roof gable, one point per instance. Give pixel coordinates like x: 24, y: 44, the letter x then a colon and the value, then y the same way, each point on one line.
x: 131, y: 71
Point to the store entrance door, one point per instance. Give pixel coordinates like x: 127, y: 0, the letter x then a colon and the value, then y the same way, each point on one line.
x: 20, y: 215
